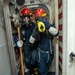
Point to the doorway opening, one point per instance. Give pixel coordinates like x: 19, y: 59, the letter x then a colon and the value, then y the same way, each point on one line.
x: 13, y: 7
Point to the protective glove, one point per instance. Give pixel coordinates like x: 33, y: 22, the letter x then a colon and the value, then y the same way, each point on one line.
x: 32, y: 39
x: 53, y: 31
x: 20, y: 43
x: 26, y: 70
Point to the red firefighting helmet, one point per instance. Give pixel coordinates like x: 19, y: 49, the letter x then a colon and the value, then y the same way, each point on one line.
x: 40, y: 12
x: 25, y: 11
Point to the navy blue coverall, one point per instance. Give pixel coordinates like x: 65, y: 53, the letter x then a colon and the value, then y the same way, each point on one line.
x: 29, y: 50
x: 45, y: 47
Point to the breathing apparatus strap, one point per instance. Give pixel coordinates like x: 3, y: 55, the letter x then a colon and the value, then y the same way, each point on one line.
x: 46, y: 52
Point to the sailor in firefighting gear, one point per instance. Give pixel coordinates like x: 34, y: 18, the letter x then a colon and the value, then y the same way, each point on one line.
x: 26, y: 30
x: 45, y: 48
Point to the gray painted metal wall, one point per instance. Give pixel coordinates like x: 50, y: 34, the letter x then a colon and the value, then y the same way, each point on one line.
x: 5, y: 68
